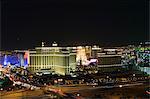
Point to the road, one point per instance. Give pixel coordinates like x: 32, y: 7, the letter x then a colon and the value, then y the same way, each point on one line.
x: 128, y: 90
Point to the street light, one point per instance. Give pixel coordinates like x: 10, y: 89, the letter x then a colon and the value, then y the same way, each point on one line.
x: 133, y: 76
x: 120, y: 86
x: 96, y: 71
x: 78, y: 94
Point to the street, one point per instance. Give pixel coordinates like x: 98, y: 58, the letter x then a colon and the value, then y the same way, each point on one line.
x: 128, y: 91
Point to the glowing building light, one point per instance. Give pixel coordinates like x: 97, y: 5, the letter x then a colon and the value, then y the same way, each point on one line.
x: 81, y: 55
x: 5, y: 60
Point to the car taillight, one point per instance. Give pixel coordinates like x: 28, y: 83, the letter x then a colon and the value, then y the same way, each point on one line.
x: 147, y: 92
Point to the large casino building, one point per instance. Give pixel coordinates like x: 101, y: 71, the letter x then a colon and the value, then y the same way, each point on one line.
x: 109, y: 59
x: 54, y: 59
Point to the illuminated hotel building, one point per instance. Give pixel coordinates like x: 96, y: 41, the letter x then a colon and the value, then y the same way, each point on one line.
x: 95, y: 51
x: 107, y: 57
x: 60, y: 60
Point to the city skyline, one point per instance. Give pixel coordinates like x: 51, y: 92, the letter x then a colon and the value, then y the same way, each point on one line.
x: 25, y: 24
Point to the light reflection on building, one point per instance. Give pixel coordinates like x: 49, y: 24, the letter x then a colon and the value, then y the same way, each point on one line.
x: 83, y: 55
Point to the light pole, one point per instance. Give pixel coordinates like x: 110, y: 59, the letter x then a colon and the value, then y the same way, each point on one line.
x: 133, y: 77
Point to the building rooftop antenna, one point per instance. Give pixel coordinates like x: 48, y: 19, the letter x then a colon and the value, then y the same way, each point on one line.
x: 54, y: 44
x: 43, y: 44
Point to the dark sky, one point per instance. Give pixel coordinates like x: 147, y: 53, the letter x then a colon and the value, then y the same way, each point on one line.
x: 25, y: 23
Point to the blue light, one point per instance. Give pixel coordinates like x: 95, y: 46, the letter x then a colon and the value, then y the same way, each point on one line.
x: 5, y: 60
x: 13, y: 59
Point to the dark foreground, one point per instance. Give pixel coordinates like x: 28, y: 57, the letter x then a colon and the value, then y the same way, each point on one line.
x: 82, y: 92
x: 132, y: 92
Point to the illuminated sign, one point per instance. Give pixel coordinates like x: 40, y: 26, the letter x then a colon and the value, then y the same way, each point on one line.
x: 93, y: 60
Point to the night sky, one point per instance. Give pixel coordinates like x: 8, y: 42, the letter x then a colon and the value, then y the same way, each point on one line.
x: 25, y: 23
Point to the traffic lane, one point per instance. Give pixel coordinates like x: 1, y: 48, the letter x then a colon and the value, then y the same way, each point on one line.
x: 115, y: 93
x: 88, y: 87
x: 37, y: 93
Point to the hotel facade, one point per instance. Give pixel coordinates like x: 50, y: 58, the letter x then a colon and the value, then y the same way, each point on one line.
x: 58, y: 60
